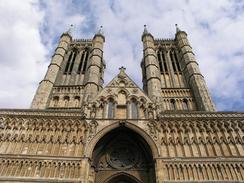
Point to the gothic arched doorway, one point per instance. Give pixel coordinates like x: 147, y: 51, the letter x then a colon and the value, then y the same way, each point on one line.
x: 123, y: 151
x: 123, y: 178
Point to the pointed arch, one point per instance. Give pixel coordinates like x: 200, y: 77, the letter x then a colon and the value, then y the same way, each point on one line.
x: 124, y: 176
x: 91, y: 145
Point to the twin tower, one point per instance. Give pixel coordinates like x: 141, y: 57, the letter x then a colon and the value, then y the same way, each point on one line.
x: 171, y: 76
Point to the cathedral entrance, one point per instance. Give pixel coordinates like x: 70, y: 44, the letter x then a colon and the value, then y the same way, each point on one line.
x: 123, y: 156
x: 122, y: 179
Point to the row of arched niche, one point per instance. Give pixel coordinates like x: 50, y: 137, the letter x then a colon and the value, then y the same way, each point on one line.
x: 122, y: 106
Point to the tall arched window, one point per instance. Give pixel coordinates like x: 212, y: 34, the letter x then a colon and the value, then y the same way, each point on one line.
x: 177, y: 62
x: 172, y: 104
x: 134, y: 109
x: 173, y: 61
x: 70, y: 62
x: 83, y: 61
x: 162, y: 61
x: 185, y: 104
x: 110, y: 108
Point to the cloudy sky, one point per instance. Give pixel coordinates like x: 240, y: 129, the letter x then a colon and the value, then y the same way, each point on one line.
x: 29, y: 32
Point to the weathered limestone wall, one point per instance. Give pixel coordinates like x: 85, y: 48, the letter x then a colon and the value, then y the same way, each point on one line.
x: 201, y: 147
x: 57, y: 146
x: 38, y: 147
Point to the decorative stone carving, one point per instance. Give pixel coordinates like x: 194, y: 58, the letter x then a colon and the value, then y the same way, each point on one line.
x: 93, y: 112
x: 153, y: 129
x: 122, y: 156
x: 135, y: 91
x: 92, y: 129
x: 2, y: 119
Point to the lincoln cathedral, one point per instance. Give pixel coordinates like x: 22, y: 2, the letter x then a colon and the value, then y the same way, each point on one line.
x: 79, y: 130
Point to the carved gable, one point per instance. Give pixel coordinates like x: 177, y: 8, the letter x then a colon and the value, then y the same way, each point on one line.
x: 122, y: 89
x: 122, y: 92
x: 122, y: 80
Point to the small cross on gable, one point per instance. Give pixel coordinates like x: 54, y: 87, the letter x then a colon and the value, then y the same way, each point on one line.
x: 122, y: 69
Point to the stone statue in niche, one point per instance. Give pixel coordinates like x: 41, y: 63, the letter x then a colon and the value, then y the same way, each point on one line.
x: 150, y: 113
x: 93, y: 112
x: 92, y: 175
x: 2, y: 123
x: 92, y: 129
x: 153, y: 129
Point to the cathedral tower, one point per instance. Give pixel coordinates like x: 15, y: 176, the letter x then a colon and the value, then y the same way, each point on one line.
x: 75, y: 74
x: 171, y: 76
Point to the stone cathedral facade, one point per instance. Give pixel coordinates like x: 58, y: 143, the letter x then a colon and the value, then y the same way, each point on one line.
x: 79, y: 131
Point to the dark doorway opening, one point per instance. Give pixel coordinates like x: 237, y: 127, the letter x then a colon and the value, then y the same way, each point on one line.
x: 123, y: 151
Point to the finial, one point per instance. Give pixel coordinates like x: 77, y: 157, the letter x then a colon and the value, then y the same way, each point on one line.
x: 145, y: 29
x: 100, y: 31
x: 177, y: 28
x: 122, y: 69
x: 70, y: 29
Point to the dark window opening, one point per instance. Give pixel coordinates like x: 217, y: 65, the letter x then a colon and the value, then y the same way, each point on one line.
x: 177, y: 62
x: 185, y: 104
x: 164, y: 61
x: 173, y: 105
x: 160, y: 63
x: 68, y: 63
x: 72, y: 63
x: 81, y: 62
x: 173, y: 61
x: 85, y: 63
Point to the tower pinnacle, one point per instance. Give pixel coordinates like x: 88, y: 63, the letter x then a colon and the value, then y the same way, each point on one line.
x: 70, y: 29
x: 145, y: 30
x: 177, y: 28
x: 100, y: 30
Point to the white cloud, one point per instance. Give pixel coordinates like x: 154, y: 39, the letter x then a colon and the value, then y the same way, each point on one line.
x: 32, y: 28
x: 21, y: 52
x: 214, y: 29
x: 27, y: 32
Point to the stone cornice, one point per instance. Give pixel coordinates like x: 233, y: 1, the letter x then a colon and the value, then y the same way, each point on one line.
x: 40, y: 157
x: 204, y: 159
x: 162, y: 115
x: 199, y: 114
x: 51, y: 113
